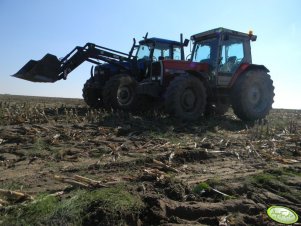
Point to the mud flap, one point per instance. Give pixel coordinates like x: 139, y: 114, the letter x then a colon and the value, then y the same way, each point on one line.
x: 45, y: 70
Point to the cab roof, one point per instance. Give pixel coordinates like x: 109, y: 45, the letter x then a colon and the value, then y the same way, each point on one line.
x: 219, y: 31
x: 160, y: 40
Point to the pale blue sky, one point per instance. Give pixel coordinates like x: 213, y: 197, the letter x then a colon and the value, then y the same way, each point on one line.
x: 32, y: 28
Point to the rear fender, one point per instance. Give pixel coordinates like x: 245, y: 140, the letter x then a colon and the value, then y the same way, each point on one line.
x: 243, y: 69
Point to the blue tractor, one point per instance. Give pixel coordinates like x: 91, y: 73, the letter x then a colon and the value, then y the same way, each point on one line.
x: 114, y: 79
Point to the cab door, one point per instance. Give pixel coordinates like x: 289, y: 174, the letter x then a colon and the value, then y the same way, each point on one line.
x: 231, y: 56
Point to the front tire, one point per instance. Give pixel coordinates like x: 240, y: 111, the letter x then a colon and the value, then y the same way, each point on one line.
x: 92, y: 96
x: 253, y: 95
x: 185, y: 98
x: 120, y: 92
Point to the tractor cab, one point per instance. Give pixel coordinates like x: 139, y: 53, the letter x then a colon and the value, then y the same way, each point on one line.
x: 224, y: 51
x: 154, y: 49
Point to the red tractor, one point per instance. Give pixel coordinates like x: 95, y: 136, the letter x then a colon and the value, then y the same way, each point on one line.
x: 219, y: 74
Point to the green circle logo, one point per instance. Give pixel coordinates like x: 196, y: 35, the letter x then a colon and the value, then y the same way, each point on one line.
x: 282, y: 215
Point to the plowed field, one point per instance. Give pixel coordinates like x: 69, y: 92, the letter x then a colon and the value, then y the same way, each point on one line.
x: 72, y: 165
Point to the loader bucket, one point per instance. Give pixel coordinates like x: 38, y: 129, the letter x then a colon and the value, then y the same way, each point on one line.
x: 45, y: 70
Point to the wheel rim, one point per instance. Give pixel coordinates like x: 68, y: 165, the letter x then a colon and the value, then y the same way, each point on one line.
x: 124, y: 95
x: 254, y: 95
x: 188, y: 100
x: 256, y: 98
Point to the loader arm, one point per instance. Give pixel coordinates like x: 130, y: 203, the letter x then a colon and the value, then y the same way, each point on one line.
x: 51, y: 69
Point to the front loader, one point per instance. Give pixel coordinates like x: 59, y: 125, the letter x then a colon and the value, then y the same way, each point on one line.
x: 52, y: 69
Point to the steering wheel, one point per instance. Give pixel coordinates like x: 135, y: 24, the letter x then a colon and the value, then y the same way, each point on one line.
x: 187, y: 57
x: 238, y: 60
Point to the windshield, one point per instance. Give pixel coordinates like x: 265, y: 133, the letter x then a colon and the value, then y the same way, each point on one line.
x: 166, y: 52
x: 160, y: 51
x: 143, y: 52
x: 206, y: 52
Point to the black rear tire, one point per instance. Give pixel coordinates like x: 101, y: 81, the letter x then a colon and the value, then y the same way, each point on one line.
x: 92, y: 96
x: 253, y: 95
x: 120, y: 92
x: 185, y: 98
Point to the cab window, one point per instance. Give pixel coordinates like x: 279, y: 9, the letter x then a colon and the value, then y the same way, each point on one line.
x: 143, y: 52
x: 232, y: 54
x: 202, y: 53
x: 177, y: 53
x: 160, y: 52
x: 206, y: 52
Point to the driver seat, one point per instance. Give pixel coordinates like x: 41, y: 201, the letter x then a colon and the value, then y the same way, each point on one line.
x: 228, y: 66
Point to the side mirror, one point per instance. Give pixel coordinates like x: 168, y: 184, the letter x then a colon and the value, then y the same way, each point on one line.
x: 186, y: 41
